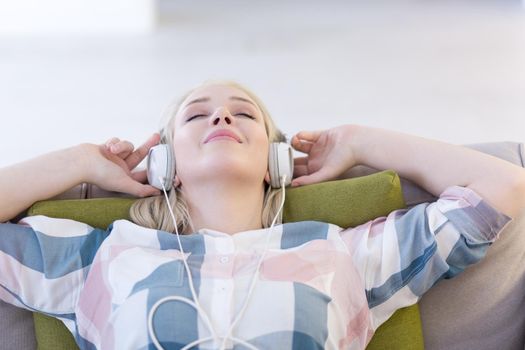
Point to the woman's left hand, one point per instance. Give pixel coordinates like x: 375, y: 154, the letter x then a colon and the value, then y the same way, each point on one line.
x: 329, y: 154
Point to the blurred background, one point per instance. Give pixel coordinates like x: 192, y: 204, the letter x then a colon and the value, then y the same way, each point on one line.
x: 74, y: 71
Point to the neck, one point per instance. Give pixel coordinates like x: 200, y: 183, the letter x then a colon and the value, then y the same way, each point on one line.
x: 230, y: 207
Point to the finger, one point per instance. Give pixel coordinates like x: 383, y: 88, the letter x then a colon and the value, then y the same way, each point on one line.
x: 300, y: 165
x: 141, y: 152
x: 300, y: 160
x: 112, y: 141
x: 300, y: 170
x: 125, y: 154
x: 311, y: 136
x: 319, y: 176
x: 140, y: 176
x: 137, y: 189
x: 302, y: 146
x: 122, y: 148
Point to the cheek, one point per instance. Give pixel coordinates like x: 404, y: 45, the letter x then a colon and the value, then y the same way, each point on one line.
x: 260, y: 135
x: 257, y: 134
x: 262, y: 145
x: 184, y: 148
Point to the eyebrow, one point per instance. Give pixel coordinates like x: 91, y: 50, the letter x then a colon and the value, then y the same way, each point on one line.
x: 206, y: 99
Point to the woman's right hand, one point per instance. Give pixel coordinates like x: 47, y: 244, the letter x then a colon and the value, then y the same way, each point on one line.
x: 110, y: 165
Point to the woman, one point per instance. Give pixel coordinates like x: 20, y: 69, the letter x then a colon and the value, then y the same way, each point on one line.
x: 228, y: 279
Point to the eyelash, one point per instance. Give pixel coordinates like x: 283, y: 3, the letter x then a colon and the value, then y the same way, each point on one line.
x: 203, y: 115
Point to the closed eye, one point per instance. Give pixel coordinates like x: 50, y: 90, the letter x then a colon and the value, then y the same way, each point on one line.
x: 247, y: 115
x: 196, y: 116
x: 204, y: 115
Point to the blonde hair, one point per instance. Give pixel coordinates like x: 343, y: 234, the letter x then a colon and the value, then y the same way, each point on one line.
x: 153, y: 212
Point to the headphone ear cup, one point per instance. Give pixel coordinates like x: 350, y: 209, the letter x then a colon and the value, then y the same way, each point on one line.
x: 161, y: 162
x: 280, y: 162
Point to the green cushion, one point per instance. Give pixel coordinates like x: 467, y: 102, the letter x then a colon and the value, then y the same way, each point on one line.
x: 346, y: 203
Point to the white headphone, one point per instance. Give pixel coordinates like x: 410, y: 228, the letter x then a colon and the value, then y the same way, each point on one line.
x: 161, y: 162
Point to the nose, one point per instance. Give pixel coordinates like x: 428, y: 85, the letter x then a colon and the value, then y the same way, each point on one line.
x: 221, y: 116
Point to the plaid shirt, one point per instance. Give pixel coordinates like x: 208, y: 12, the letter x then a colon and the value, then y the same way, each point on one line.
x: 319, y: 286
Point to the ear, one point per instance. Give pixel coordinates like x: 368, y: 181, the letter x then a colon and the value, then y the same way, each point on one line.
x: 176, y: 181
x: 267, y: 178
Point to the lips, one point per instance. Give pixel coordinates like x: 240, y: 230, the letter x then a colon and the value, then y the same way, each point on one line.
x: 223, y: 132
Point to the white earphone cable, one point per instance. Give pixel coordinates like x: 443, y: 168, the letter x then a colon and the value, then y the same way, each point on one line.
x: 256, y: 274
x: 196, y: 303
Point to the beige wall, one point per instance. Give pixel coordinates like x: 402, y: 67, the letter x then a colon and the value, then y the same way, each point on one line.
x: 453, y: 70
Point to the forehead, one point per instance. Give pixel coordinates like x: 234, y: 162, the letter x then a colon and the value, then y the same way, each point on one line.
x: 216, y: 93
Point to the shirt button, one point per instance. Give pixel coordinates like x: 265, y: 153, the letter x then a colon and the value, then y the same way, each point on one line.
x: 224, y: 259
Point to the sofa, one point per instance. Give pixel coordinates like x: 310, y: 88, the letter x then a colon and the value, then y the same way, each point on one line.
x: 482, y: 308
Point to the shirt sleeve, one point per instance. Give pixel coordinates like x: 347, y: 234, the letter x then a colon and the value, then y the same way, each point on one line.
x: 402, y: 255
x: 44, y: 262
